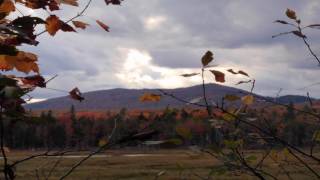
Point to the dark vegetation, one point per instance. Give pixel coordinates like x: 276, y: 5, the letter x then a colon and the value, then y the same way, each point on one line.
x: 185, y: 126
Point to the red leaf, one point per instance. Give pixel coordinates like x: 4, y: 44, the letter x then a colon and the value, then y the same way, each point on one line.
x: 219, y: 76
x: 104, y: 26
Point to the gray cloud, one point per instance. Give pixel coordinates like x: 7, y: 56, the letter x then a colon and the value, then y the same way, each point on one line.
x: 239, y: 32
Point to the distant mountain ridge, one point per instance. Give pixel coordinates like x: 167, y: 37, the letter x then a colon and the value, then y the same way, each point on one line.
x: 115, y: 99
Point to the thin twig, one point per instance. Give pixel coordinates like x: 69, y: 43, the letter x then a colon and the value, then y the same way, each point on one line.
x: 76, y: 16
x: 109, y: 144
x: 204, y: 93
x: 3, y: 152
x: 304, y: 163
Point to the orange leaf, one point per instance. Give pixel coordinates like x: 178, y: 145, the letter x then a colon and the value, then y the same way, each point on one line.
x: 219, y: 76
x: 150, y: 97
x: 23, y: 62
x: 104, y: 26
x: 7, y: 6
x: 53, y: 24
x: 291, y: 14
x: 79, y: 24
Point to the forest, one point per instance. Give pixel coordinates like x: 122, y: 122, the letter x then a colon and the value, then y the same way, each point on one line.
x: 184, y: 126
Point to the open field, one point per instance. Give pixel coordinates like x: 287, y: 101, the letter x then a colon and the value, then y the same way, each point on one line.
x: 173, y: 164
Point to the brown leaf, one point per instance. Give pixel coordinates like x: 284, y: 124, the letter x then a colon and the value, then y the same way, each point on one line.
x: 299, y: 34
x: 281, y: 22
x: 53, y: 24
x: 189, y: 75
x: 69, y: 2
x: 239, y: 72
x: 104, y: 26
x: 76, y: 94
x: 79, y: 24
x: 219, y: 76
x: 114, y: 2
x: 243, y: 73
x: 316, y: 26
x: 150, y: 97
x: 231, y: 71
x: 207, y: 58
x: 66, y: 27
x: 242, y: 82
x: 35, y: 80
x: 291, y: 14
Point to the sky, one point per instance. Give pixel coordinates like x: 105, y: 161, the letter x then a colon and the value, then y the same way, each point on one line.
x: 152, y: 42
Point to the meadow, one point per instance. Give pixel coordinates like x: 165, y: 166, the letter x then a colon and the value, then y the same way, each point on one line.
x: 147, y: 164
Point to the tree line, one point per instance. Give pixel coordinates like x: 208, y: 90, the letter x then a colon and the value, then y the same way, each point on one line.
x: 185, y: 127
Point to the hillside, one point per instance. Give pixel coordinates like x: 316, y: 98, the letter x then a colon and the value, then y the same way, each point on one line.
x: 115, y: 99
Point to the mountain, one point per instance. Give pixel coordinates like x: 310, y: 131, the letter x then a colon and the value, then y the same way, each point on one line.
x: 293, y: 98
x: 115, y: 99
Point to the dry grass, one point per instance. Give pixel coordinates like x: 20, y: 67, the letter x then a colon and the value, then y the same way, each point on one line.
x: 177, y: 164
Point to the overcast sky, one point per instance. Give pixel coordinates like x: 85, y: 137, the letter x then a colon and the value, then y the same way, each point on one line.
x: 152, y: 42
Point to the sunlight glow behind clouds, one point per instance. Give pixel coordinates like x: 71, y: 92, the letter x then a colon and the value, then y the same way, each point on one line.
x: 154, y: 22
x: 137, y: 71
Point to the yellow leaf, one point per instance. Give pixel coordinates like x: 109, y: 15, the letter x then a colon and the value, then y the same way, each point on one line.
x: 102, y: 142
x: 228, y: 117
x: 207, y: 58
x: 150, y: 97
x: 7, y: 6
x: 79, y: 24
x: 286, y: 152
x: 53, y: 24
x: 184, y: 132
x: 316, y: 136
x: 231, y: 97
x: 247, y: 100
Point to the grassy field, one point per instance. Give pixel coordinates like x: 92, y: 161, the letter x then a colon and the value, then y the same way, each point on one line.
x: 172, y: 164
